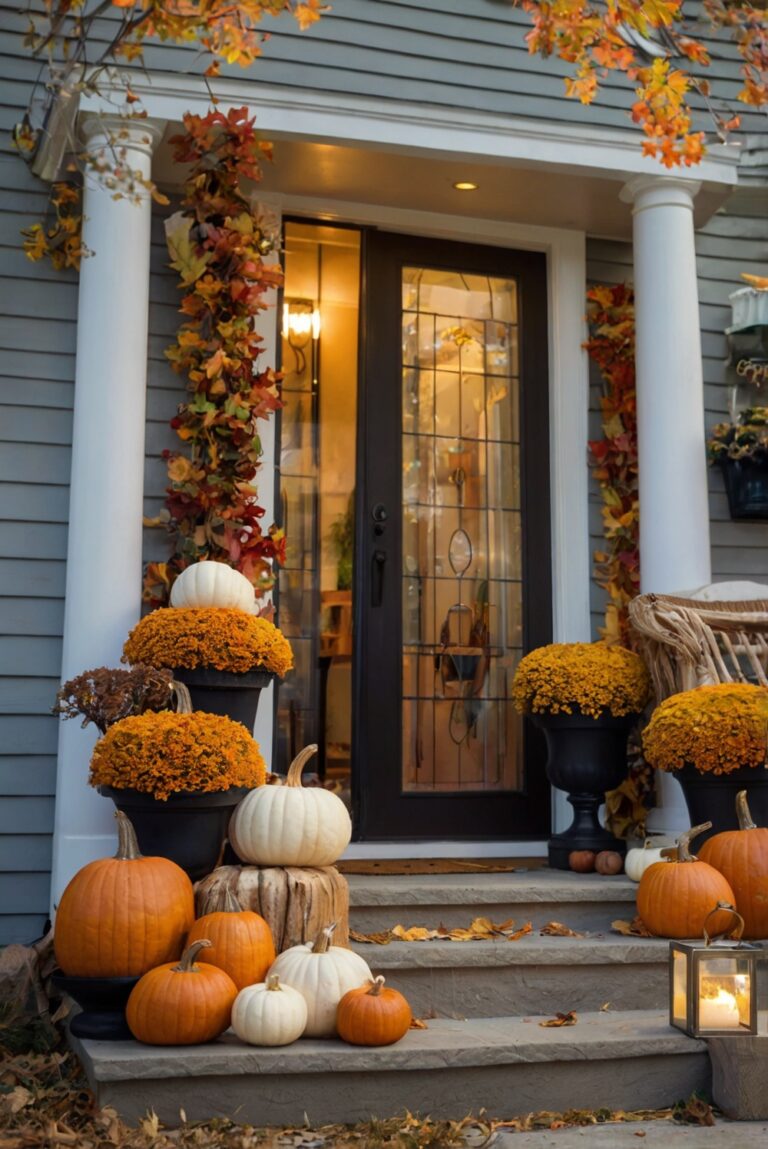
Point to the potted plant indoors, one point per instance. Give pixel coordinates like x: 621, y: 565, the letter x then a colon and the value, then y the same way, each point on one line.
x: 224, y: 655
x: 585, y: 697
x: 740, y: 449
x: 713, y: 739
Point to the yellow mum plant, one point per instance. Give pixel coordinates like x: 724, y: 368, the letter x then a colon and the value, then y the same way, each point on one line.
x: 717, y: 729
x: 165, y: 753
x: 581, y: 678
x: 219, y: 637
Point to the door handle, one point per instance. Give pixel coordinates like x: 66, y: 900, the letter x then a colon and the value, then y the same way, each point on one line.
x: 378, y: 561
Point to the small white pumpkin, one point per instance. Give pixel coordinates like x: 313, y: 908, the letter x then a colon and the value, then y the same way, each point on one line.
x: 209, y: 583
x: 289, y: 825
x: 269, y: 1013
x: 322, y: 974
x: 639, y: 859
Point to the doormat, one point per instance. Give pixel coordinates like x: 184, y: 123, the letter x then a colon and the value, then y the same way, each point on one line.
x: 441, y: 865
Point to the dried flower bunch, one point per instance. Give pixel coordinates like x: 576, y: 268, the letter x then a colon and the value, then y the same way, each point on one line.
x: 163, y: 754
x: 745, y: 439
x: 581, y: 677
x: 217, y: 637
x: 105, y: 696
x: 717, y: 729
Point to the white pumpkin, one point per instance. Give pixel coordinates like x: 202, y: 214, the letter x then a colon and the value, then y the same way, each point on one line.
x: 289, y: 825
x: 209, y: 583
x: 322, y: 974
x: 639, y: 859
x: 269, y: 1013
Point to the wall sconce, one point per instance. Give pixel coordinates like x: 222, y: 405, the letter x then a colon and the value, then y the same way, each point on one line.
x: 713, y: 984
x: 301, y: 321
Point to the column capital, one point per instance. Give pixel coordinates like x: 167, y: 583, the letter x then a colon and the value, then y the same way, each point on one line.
x: 659, y: 191
x: 99, y: 130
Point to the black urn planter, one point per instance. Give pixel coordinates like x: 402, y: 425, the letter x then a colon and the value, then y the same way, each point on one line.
x: 102, y: 1001
x: 712, y: 797
x: 585, y: 757
x: 223, y: 692
x: 189, y: 827
x: 746, y: 484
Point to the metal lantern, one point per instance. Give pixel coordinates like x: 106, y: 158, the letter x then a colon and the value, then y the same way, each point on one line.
x: 713, y: 983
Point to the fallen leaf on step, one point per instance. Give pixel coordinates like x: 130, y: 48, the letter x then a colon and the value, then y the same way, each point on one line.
x: 558, y: 930
x: 634, y: 929
x: 517, y: 934
x: 413, y: 933
x: 417, y: 1023
x: 380, y: 939
x: 559, y: 1019
x: 639, y: 1133
x: 605, y: 1007
x: 695, y: 1111
x: 479, y: 930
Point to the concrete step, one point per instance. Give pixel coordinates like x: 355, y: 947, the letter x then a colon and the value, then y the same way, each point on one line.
x: 506, y: 1066
x: 535, y: 974
x: 582, y: 901
x: 663, y: 1134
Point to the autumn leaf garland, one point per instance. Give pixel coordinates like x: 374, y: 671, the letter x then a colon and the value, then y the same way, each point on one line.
x: 220, y: 249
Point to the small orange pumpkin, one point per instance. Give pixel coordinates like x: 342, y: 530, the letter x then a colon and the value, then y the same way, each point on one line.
x: 241, y: 941
x: 676, y: 896
x: 373, y: 1015
x: 181, y: 1004
x: 121, y: 916
x: 741, y: 856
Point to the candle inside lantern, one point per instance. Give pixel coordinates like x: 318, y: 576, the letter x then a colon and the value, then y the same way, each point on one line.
x: 719, y: 1012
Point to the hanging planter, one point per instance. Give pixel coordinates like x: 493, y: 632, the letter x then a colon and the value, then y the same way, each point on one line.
x: 746, y: 485
x: 740, y: 449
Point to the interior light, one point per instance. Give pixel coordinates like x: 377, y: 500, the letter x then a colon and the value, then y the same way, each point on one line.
x: 300, y: 321
x: 465, y: 186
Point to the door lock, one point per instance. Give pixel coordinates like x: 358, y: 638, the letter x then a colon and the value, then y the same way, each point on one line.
x: 379, y: 516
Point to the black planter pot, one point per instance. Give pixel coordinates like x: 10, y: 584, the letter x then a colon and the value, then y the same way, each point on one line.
x: 221, y: 692
x: 102, y: 1001
x: 746, y: 484
x: 585, y: 757
x: 188, y: 828
x: 712, y: 798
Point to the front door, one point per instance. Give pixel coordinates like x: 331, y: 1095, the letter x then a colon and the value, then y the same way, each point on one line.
x: 452, y: 564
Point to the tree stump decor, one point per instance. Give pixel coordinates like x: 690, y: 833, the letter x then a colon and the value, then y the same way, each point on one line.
x: 297, y: 903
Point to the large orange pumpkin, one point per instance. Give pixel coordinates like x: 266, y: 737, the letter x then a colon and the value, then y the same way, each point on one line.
x: 241, y: 941
x: 675, y: 896
x: 373, y: 1015
x: 181, y: 1004
x: 741, y: 856
x: 121, y: 916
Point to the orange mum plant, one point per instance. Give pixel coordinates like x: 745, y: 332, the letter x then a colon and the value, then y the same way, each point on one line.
x: 581, y: 677
x: 717, y: 729
x: 163, y: 754
x: 217, y: 637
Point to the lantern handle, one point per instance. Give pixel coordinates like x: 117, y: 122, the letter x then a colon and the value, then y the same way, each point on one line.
x: 723, y: 933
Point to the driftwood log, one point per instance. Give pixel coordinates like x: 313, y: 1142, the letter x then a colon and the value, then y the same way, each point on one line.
x: 296, y: 902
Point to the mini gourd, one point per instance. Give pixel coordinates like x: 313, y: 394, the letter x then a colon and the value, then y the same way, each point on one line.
x: 373, y: 1014
x: 741, y: 856
x: 181, y: 1004
x: 640, y: 858
x: 676, y: 896
x: 269, y: 1013
x: 241, y: 941
x: 322, y: 974
x: 289, y: 825
x: 210, y: 583
x: 121, y: 916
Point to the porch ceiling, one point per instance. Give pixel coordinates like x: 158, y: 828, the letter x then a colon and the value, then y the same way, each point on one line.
x: 550, y: 195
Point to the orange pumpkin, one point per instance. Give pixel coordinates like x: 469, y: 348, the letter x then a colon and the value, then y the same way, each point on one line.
x: 181, y: 1004
x: 373, y: 1015
x: 741, y: 856
x: 675, y: 896
x: 241, y: 941
x: 121, y: 916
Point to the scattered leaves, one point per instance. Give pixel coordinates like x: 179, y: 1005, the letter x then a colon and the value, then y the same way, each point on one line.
x: 558, y: 930
x: 559, y: 1020
x: 634, y: 929
x: 418, y: 1023
x: 480, y: 930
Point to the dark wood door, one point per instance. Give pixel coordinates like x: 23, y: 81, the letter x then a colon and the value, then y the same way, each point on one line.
x: 453, y: 539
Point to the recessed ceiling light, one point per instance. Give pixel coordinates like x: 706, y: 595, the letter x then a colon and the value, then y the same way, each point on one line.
x: 465, y: 186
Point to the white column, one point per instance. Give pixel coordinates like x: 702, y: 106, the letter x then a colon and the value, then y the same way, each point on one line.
x: 674, y: 504
x: 104, y: 567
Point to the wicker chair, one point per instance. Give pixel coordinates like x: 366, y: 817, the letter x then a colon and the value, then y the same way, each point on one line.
x: 688, y: 642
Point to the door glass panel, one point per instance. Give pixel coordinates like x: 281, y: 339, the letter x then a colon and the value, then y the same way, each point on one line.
x: 461, y: 576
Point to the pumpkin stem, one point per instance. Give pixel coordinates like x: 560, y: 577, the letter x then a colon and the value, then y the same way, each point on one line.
x: 298, y: 764
x: 742, y: 812
x: 181, y: 696
x: 684, y: 841
x: 127, y: 842
x: 273, y: 982
x: 187, y: 963
x: 323, y: 941
x: 221, y: 900
x: 377, y: 985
